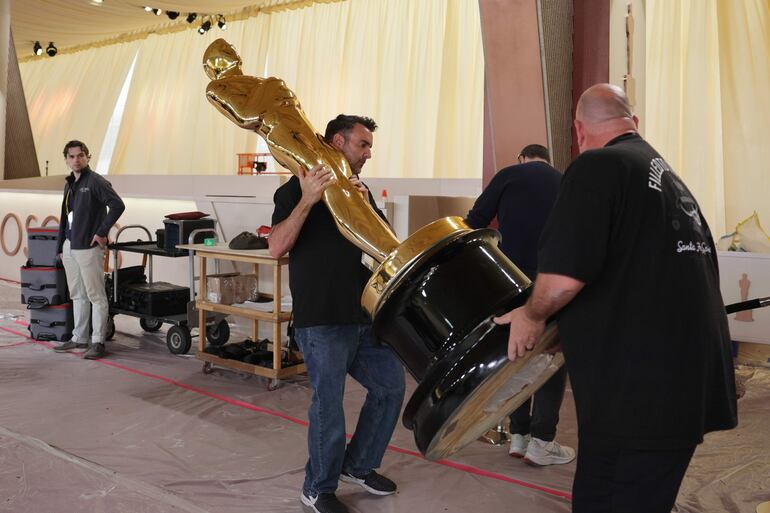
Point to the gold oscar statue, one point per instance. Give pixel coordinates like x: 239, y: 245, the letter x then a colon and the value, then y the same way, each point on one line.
x: 432, y: 296
x: 271, y: 109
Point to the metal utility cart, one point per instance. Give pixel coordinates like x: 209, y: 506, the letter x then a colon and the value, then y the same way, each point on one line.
x: 256, y: 258
x: 179, y: 336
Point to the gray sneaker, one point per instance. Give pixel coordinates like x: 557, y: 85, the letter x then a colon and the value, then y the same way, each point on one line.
x: 541, y: 453
x: 95, y: 352
x: 69, y: 346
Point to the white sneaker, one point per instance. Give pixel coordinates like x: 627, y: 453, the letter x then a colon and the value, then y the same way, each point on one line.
x: 519, y: 444
x: 540, y: 452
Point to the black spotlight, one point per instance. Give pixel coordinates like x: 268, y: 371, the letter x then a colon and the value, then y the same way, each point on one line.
x: 51, y: 50
x: 37, y: 48
x: 222, y: 24
x: 205, y: 27
x: 172, y: 15
x: 191, y: 17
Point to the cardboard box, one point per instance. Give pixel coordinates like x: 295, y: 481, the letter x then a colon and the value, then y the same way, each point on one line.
x: 231, y: 288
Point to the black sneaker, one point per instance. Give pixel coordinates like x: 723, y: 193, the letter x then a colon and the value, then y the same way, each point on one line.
x: 323, y: 503
x: 95, y: 352
x: 372, y: 482
x: 69, y: 346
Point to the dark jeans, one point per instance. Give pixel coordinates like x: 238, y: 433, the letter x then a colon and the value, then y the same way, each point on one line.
x: 331, y: 352
x: 541, y: 423
x: 615, y: 480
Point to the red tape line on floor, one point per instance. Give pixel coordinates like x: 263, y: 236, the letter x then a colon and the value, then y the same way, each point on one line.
x: 10, y: 281
x: 16, y: 344
x: 457, y: 466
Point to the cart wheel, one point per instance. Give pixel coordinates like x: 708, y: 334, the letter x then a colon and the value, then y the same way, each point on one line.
x: 109, y: 332
x: 150, y: 324
x: 178, y: 339
x: 272, y: 384
x: 219, y: 333
x: 207, y: 368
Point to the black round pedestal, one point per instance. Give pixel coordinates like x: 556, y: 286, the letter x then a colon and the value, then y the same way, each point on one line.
x: 437, y: 318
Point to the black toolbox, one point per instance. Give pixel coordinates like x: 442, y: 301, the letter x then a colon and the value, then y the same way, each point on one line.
x: 177, y: 231
x: 42, y: 246
x: 157, y: 299
x: 43, y: 286
x: 51, y: 323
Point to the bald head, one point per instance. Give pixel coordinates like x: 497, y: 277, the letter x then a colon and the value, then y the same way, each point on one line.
x: 602, y: 102
x: 603, y: 113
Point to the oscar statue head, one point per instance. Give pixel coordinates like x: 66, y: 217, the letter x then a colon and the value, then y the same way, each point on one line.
x: 221, y: 60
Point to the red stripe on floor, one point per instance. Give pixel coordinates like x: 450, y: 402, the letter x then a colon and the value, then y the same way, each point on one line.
x: 451, y: 464
x: 15, y: 345
x: 10, y: 281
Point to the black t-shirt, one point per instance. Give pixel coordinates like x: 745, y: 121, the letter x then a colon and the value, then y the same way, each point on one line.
x: 521, y: 197
x: 646, y: 341
x: 326, y: 276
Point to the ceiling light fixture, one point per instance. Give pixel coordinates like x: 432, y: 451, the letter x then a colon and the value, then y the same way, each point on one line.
x: 157, y: 12
x: 205, y: 27
x: 37, y: 48
x: 51, y: 50
x: 221, y: 23
x: 191, y: 17
x: 147, y: 8
x: 172, y: 15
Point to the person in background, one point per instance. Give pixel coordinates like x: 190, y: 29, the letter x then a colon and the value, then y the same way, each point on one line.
x: 521, y: 197
x: 89, y: 209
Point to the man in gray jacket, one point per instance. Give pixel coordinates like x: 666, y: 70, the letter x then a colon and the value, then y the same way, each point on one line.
x: 85, y: 223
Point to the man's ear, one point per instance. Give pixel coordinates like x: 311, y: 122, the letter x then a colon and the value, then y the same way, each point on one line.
x: 338, y: 141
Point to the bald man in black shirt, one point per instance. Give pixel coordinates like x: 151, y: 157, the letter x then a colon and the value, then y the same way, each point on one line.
x: 627, y: 265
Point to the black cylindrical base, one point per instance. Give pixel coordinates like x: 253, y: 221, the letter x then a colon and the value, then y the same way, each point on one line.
x: 438, y: 321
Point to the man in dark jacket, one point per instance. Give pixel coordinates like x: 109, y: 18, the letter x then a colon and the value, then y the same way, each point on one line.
x: 85, y: 223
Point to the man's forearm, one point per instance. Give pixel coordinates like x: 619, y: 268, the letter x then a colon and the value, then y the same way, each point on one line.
x: 284, y: 234
x: 552, y: 292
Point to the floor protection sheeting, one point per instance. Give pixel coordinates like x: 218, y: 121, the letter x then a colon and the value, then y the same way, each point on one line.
x: 145, y: 431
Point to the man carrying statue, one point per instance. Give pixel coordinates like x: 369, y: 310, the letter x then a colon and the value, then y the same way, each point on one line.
x: 641, y: 322
x: 326, y: 276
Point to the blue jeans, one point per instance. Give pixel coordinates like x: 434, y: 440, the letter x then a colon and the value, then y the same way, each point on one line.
x: 331, y: 352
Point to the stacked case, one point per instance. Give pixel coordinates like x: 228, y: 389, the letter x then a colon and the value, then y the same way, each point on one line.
x: 44, y: 288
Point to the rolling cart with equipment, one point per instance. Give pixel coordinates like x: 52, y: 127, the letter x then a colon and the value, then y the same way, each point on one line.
x: 279, y: 367
x: 159, y: 303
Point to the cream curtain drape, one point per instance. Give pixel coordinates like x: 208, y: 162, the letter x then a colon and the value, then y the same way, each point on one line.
x: 73, y: 97
x: 168, y: 126
x: 415, y: 66
x: 707, y: 110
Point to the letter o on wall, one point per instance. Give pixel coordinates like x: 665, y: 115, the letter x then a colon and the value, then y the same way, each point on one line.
x: 49, y: 219
x: 20, y: 229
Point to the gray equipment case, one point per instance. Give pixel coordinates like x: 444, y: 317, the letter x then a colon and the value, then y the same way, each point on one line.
x: 52, y: 323
x: 42, y: 246
x: 43, y: 286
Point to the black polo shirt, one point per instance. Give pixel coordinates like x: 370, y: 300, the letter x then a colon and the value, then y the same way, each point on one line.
x: 326, y: 276
x: 646, y: 341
